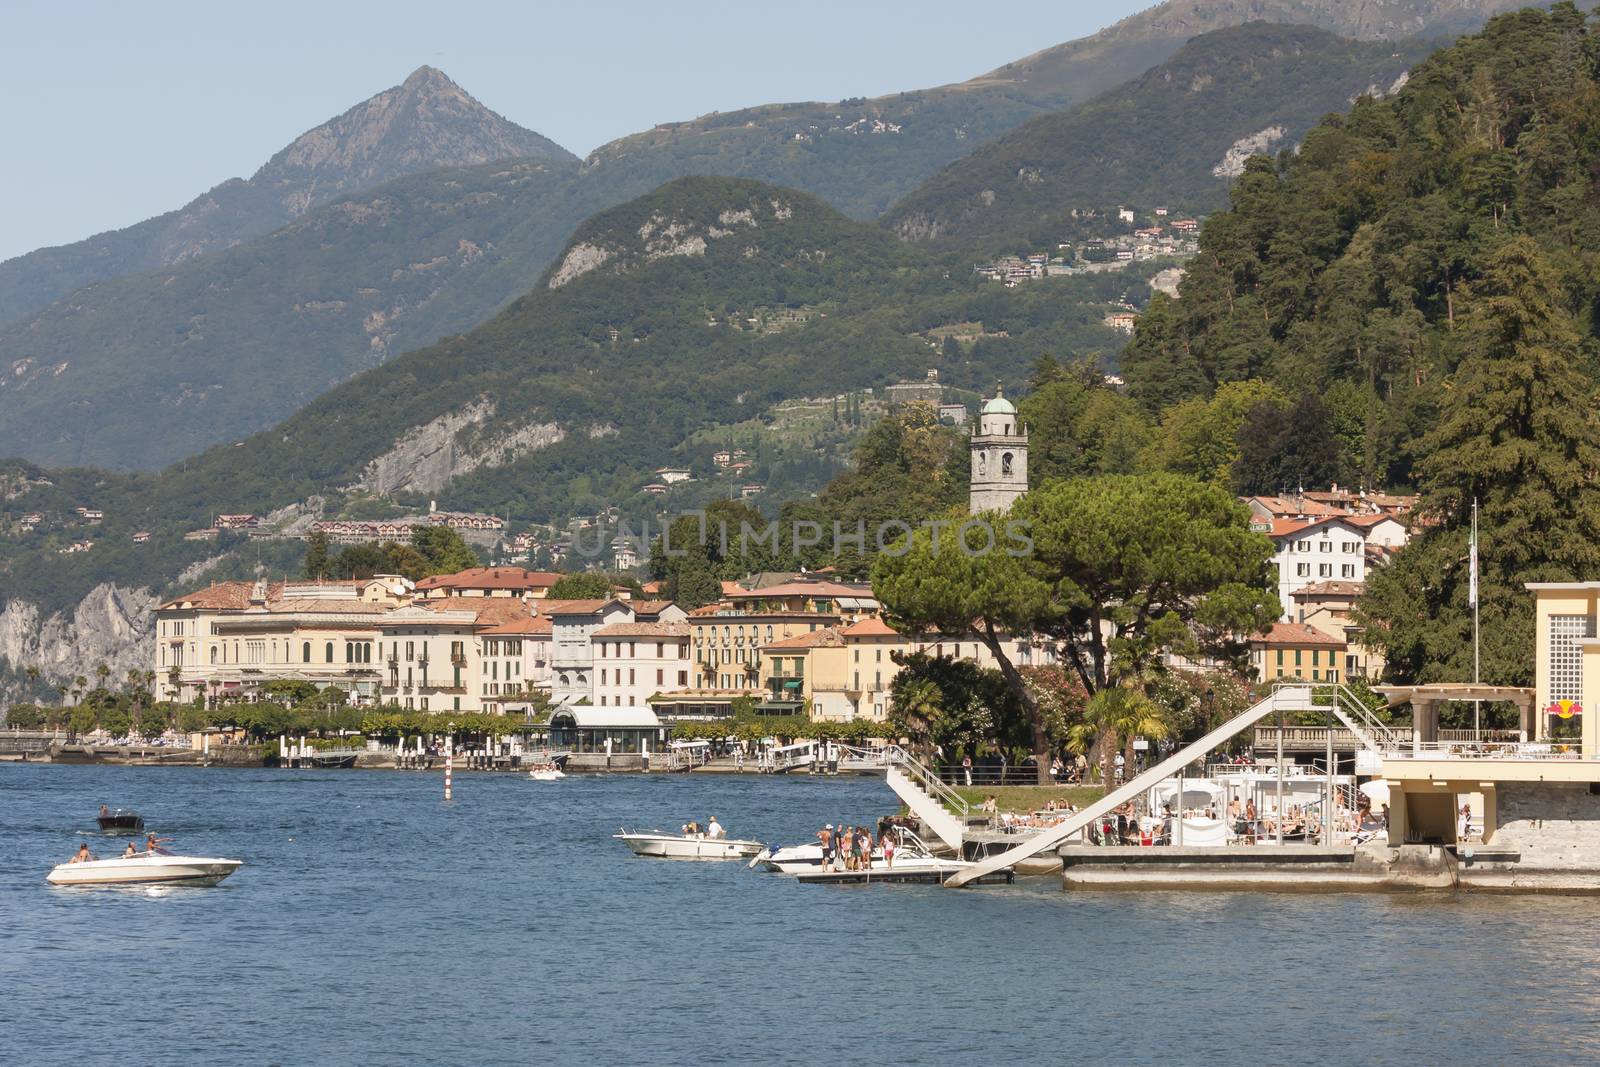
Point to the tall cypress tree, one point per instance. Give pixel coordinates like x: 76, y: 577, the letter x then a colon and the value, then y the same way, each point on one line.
x: 1518, y: 433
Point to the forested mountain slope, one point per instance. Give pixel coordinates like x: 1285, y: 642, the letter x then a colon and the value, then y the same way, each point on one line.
x: 862, y: 155
x: 1174, y: 136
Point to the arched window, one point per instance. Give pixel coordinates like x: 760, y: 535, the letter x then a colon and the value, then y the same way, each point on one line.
x: 327, y: 652
x: 213, y: 654
x: 1005, y: 463
x: 305, y: 652
x: 982, y: 463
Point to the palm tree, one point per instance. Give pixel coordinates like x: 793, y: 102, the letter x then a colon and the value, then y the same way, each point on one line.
x: 917, y: 707
x: 1114, y: 717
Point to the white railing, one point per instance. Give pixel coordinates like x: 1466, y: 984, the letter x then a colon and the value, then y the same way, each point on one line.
x: 1530, y: 750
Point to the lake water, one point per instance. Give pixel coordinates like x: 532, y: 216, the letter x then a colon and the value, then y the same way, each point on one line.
x: 375, y: 924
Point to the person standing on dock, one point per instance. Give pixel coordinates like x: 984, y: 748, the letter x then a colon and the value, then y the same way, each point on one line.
x: 825, y: 836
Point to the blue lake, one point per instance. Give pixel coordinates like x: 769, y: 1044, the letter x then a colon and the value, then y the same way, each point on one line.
x: 376, y: 924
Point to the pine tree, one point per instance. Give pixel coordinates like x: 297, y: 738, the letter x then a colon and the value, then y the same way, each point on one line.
x: 316, y: 562
x: 1518, y: 434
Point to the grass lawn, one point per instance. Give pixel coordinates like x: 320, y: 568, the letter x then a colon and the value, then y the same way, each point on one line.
x: 1031, y: 797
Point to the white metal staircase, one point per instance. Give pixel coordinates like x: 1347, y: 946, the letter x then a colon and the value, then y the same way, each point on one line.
x: 941, y: 809
x: 1374, y: 735
x: 1287, y: 698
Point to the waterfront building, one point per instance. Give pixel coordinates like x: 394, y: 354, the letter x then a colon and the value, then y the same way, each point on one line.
x: 572, y: 650
x: 634, y: 661
x: 726, y: 641
x: 846, y: 672
x: 374, y: 638
x: 225, y: 640
x: 999, y: 456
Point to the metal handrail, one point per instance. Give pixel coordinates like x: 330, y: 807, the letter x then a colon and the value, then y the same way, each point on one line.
x: 928, y: 781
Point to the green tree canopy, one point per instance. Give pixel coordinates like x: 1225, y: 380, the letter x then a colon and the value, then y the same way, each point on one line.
x: 1517, y: 433
x: 583, y: 585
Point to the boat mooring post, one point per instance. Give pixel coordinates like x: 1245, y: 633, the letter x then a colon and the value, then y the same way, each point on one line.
x: 449, y: 762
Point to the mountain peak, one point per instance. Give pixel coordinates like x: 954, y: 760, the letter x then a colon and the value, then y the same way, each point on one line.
x: 427, y: 121
x: 425, y: 75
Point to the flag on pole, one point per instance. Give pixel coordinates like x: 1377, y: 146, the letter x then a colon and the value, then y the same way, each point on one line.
x: 1472, y: 587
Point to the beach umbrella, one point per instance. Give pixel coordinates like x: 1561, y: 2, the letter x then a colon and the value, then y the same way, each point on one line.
x: 1377, y: 790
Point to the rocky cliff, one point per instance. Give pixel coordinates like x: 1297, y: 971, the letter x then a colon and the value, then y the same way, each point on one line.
x: 111, y: 625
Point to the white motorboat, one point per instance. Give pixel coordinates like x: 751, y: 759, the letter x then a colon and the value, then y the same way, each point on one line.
x: 688, y: 846
x: 145, y: 868
x: 547, y: 772
x: 911, y: 854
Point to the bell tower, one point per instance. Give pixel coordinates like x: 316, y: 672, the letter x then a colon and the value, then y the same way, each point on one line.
x: 999, y: 456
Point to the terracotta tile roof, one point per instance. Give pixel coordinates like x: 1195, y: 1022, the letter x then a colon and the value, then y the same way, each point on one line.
x: 812, y: 639
x: 491, y: 578
x: 219, y: 595
x: 329, y: 606
x: 1294, y: 633
x: 650, y: 607
x: 570, y: 607
x: 1371, y: 520
x: 644, y: 629
x: 873, y: 627
x: 822, y: 589
x: 1287, y: 527
x: 1331, y: 588
x: 1280, y: 506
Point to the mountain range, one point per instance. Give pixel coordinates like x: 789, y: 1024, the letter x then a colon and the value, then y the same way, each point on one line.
x: 424, y: 123
x: 346, y: 286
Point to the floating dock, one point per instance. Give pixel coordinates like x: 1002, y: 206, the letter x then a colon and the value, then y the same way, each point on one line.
x: 924, y: 876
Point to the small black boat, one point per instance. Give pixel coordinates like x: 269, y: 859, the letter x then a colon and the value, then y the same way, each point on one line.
x: 121, y: 821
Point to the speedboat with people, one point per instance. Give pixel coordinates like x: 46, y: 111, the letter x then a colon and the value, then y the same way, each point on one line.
x: 157, y: 867
x: 119, y: 821
x: 691, y: 843
x: 546, y: 772
x: 910, y: 853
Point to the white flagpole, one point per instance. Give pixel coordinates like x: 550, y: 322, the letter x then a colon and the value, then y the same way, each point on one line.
x: 1472, y: 598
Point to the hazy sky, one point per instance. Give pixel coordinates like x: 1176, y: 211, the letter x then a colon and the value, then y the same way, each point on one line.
x: 116, y: 111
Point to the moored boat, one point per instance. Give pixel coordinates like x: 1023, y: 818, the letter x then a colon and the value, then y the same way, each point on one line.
x: 667, y: 846
x: 911, y: 854
x: 145, y: 868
